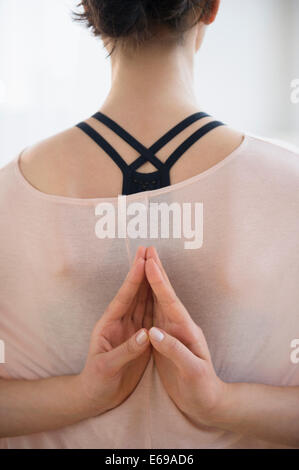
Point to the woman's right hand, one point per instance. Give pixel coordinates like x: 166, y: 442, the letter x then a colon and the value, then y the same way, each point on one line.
x: 114, y: 366
x: 120, y: 348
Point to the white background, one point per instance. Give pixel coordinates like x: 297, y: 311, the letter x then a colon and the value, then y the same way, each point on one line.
x: 53, y: 73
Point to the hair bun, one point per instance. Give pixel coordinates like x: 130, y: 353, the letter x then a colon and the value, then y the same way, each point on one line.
x: 138, y: 18
x: 120, y: 18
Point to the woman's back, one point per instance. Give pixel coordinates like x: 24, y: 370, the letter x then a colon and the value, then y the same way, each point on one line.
x: 231, y: 282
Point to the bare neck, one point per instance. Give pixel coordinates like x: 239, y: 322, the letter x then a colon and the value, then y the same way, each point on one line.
x: 151, y: 83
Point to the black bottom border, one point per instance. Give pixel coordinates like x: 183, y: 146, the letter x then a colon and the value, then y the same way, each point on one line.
x: 152, y: 458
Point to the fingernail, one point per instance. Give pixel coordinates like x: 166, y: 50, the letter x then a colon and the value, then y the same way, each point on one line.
x: 156, y: 334
x: 141, y: 337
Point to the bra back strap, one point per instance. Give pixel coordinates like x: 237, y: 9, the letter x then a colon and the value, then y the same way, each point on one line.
x: 130, y: 182
x: 171, y: 134
x: 129, y: 139
x: 148, y: 154
x: 190, y: 141
x: 96, y: 137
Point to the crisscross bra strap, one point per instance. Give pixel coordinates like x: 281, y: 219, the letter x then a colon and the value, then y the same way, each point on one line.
x: 96, y: 137
x: 134, y: 181
x: 148, y: 154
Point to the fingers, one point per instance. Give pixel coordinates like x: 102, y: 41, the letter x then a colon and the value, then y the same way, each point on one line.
x: 117, y: 358
x: 174, y: 310
x: 148, y: 313
x: 129, y: 289
x: 174, y: 350
x: 165, y: 294
x: 140, y: 253
x: 138, y: 308
x: 163, y: 290
x: 151, y: 252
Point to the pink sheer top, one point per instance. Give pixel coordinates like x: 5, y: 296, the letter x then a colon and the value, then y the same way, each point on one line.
x: 241, y: 286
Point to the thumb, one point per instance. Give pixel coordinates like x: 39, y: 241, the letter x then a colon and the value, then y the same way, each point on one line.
x: 127, y: 351
x: 173, y: 349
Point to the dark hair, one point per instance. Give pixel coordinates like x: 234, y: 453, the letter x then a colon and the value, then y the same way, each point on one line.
x: 136, y: 20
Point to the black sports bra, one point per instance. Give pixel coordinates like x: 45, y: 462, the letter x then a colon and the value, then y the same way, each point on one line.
x: 134, y: 181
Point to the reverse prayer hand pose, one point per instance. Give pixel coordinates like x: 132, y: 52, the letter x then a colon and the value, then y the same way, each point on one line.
x: 119, y: 352
x: 118, y: 355
x: 184, y: 363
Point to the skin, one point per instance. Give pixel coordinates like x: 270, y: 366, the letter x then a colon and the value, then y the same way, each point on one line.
x: 151, y: 90
x: 114, y: 366
x: 147, y: 302
x: 183, y: 357
x: 115, y: 358
x: 184, y: 363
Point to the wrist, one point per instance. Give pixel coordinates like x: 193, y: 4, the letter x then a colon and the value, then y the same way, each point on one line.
x: 84, y: 402
x: 225, y: 411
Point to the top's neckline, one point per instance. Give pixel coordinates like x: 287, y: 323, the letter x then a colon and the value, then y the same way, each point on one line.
x: 140, y: 195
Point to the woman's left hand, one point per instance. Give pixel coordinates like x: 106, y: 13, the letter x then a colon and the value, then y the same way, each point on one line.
x: 181, y: 352
x: 183, y: 360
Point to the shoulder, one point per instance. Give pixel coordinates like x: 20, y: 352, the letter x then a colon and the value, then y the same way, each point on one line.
x: 278, y: 155
x: 66, y: 164
x: 43, y: 163
x: 267, y: 180
x: 39, y: 163
x: 50, y: 164
x: 275, y: 165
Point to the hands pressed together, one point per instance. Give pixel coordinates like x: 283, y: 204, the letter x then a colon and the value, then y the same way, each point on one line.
x: 147, y: 317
